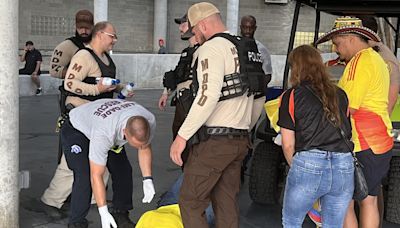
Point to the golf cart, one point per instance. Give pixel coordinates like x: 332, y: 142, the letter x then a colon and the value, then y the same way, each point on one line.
x: 268, y: 168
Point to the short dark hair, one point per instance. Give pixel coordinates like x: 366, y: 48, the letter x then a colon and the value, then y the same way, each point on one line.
x: 249, y: 18
x: 28, y: 43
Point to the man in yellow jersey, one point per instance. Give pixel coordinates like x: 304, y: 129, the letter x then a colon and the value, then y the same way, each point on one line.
x: 366, y: 83
x: 222, y: 122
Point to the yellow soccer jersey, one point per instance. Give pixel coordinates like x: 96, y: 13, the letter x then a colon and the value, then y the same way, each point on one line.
x: 366, y: 83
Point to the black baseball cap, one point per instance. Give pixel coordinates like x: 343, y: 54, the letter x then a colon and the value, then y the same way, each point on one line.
x: 181, y: 20
x: 188, y: 34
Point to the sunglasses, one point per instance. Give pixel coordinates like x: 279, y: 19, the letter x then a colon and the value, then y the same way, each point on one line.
x: 112, y: 36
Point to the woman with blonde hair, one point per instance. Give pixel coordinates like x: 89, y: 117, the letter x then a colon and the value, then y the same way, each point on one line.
x: 311, y: 115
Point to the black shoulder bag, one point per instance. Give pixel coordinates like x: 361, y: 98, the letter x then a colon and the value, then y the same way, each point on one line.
x: 360, y: 184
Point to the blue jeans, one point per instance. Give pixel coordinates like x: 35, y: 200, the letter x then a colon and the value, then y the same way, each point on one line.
x: 318, y: 174
x: 172, y: 197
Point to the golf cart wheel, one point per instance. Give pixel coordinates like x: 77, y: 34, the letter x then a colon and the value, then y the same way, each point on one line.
x: 264, y: 173
x: 393, y: 195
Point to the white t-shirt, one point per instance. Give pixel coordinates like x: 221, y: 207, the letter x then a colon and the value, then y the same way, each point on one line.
x: 102, y: 122
x: 266, y: 57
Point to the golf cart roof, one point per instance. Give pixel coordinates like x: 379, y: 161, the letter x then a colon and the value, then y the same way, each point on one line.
x: 389, y: 8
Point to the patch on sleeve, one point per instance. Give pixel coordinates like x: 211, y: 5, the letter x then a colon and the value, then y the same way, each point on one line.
x: 76, y: 149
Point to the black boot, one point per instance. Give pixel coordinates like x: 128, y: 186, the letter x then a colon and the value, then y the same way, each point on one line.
x: 83, y: 224
x: 122, y: 219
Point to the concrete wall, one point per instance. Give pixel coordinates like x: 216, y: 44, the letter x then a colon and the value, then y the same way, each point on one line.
x: 48, y: 22
x: 145, y: 70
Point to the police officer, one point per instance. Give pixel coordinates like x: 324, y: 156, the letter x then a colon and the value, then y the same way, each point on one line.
x: 80, y: 82
x: 248, y: 26
x: 60, y: 186
x: 212, y: 172
x: 64, y: 51
x: 92, y: 140
x: 180, y: 80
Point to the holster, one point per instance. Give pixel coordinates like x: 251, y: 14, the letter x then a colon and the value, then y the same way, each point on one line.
x: 200, y: 136
x: 169, y: 80
x: 185, y: 99
x: 62, y: 98
x: 173, y: 100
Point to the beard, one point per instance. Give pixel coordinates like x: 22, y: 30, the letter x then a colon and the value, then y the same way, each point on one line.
x: 84, y: 39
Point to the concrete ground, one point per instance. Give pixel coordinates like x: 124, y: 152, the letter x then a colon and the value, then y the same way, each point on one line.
x: 38, y: 154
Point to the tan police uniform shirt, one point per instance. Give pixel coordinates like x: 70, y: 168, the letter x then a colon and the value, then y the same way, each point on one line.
x: 61, y: 57
x: 216, y: 58
x: 83, y: 65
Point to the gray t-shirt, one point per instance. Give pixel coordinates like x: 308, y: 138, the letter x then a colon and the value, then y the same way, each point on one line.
x: 102, y: 122
x: 266, y: 58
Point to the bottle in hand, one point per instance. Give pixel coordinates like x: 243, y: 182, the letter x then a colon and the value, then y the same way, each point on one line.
x: 126, y: 90
x: 108, y: 81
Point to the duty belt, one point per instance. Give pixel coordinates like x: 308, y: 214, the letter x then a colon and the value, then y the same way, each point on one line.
x: 226, y: 131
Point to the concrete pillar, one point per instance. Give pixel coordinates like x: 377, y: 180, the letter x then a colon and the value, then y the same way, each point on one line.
x: 9, y: 122
x: 100, y: 10
x: 232, y: 15
x: 160, y: 23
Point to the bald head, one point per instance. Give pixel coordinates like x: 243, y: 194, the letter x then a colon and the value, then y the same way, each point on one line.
x: 139, y: 128
x: 248, y: 26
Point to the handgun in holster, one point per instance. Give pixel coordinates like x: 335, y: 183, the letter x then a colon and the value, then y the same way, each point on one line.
x: 200, y: 136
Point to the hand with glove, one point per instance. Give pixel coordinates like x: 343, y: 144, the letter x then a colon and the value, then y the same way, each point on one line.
x: 107, y: 219
x: 148, y: 189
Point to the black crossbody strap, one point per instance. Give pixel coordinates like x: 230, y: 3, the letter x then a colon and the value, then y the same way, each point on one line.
x: 339, y: 129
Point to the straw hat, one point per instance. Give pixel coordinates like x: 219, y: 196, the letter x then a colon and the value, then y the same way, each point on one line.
x: 349, y: 25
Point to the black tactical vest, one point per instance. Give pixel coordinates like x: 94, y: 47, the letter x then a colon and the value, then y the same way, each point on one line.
x: 77, y: 42
x: 183, y: 71
x: 106, y: 71
x: 251, y: 78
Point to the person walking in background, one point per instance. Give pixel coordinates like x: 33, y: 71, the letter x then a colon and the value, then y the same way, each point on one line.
x: 366, y: 83
x: 33, y: 59
x: 321, y: 163
x: 163, y: 49
x: 60, y: 186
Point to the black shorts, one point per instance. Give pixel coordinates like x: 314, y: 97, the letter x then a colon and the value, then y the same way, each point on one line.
x: 376, y: 167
